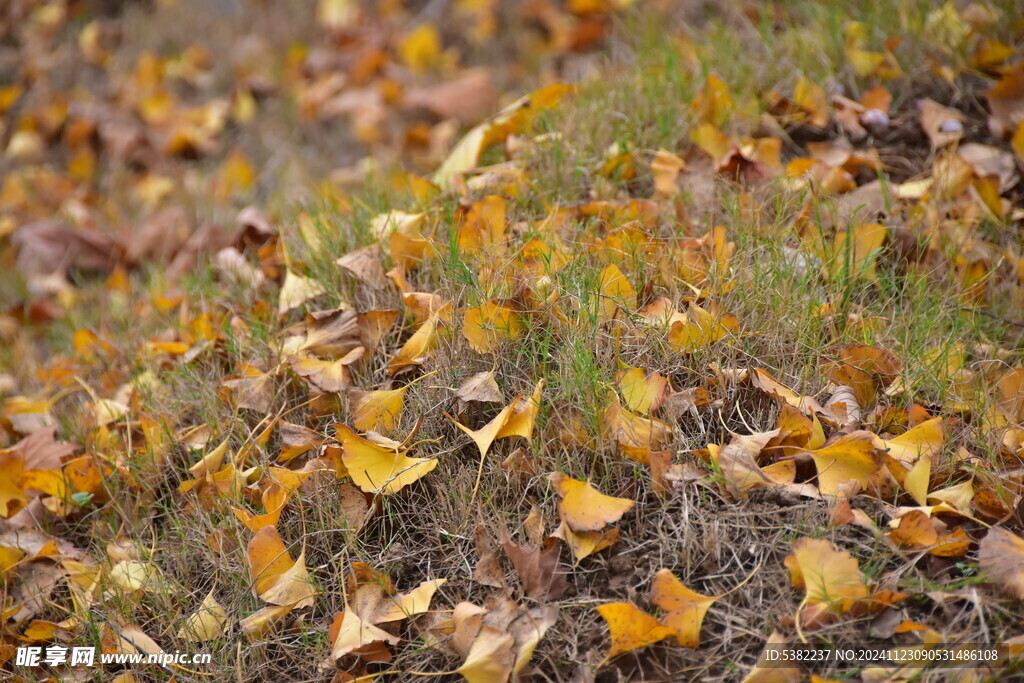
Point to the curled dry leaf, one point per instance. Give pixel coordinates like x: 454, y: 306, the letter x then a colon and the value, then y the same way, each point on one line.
x: 537, y: 568
x: 480, y: 387
x: 1001, y: 557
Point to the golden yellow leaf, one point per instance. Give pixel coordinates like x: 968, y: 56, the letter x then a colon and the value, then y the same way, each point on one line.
x: 513, y: 119
x: 376, y: 410
x: 263, y: 622
x: 484, y: 225
x: 924, y: 440
x: 643, y: 392
x: 685, y: 609
x: 206, y: 623
x: 916, y: 480
x: 406, y: 605
x: 851, y: 458
x: 490, y: 657
x: 332, y: 376
x: 666, y: 168
x: 421, y: 48
x: 297, y: 290
x: 631, y: 628
x: 416, y: 348
x: 583, y: 507
x: 376, y: 469
x: 486, y: 435
x: 524, y: 414
x: 614, y: 293
x: 12, y: 496
x: 583, y: 544
x: 700, y: 329
x: 738, y: 466
x: 134, y: 575
x: 830, y: 577
x: 275, y: 577
x: 487, y: 326
x: 632, y: 431
x: 274, y: 499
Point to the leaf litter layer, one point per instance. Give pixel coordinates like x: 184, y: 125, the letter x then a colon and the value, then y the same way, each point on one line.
x: 525, y: 340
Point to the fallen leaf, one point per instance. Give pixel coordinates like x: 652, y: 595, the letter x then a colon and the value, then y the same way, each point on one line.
x: 376, y: 469
x: 583, y: 507
x: 1001, y: 557
x: 851, y: 458
x: 830, y: 577
x: 684, y: 609
x: 631, y: 628
x: 376, y: 410
x: 206, y: 623
x: 537, y: 569
x: 276, y: 578
x: 481, y: 387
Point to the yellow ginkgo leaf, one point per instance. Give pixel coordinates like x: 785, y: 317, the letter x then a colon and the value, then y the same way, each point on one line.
x: 133, y: 575
x: 684, y: 609
x: 641, y: 391
x: 332, y: 376
x: 916, y: 480
x: 490, y: 658
x: 855, y: 253
x: 263, y: 622
x: 376, y: 469
x: 297, y: 290
x: 631, y: 628
x: 635, y: 434
x: 615, y: 292
x: 421, y: 48
x: 926, y: 439
x: 416, y: 601
x: 484, y: 225
x: 513, y: 119
x: 485, y: 436
x: 274, y: 498
x: 377, y: 410
x: 524, y: 414
x: 700, y: 329
x: 489, y: 325
x: 583, y: 544
x: 830, y: 577
x: 583, y: 507
x: 275, y: 577
x: 206, y: 623
x: 852, y: 457
x: 416, y: 348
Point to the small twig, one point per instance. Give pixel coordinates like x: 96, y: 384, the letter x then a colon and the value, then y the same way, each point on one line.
x: 1008, y: 321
